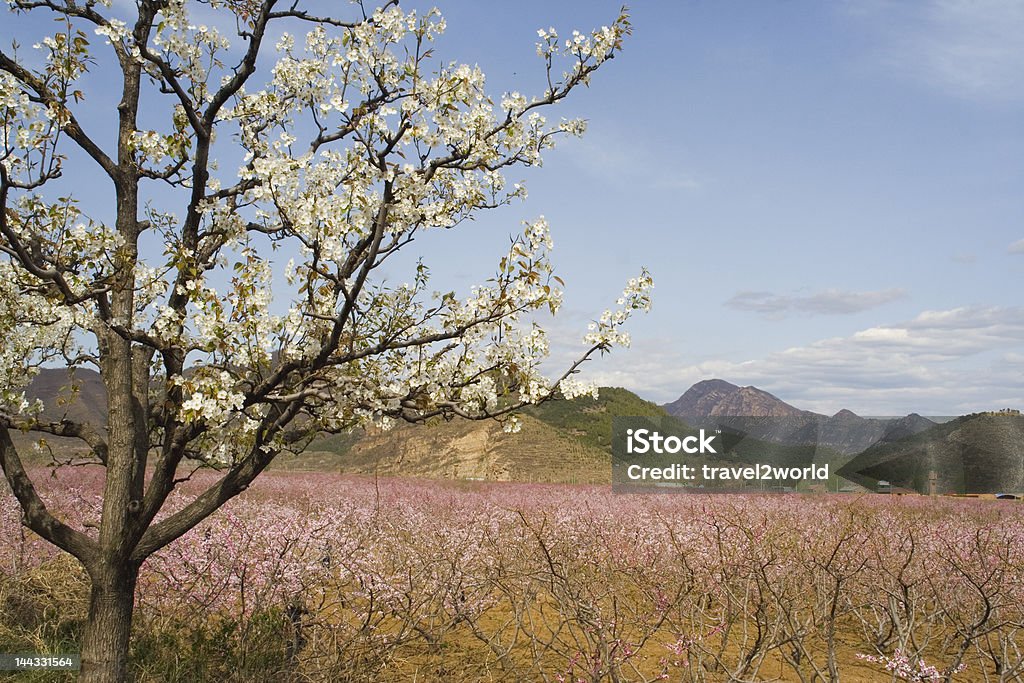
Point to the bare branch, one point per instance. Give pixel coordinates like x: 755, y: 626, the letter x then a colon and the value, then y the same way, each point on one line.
x: 85, y: 432
x: 36, y: 516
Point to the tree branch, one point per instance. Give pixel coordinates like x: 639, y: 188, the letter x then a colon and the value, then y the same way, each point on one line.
x: 67, y: 428
x: 36, y: 516
x: 230, y: 485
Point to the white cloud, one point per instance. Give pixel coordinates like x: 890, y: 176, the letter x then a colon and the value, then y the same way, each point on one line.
x: 1017, y: 247
x: 827, y: 302
x: 940, y: 362
x: 967, y: 48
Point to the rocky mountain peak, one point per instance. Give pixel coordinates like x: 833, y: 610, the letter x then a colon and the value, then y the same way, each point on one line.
x: 718, y: 397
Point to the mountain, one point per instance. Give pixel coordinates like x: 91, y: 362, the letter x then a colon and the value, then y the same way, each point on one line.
x: 979, y: 453
x: 764, y: 416
x: 80, y: 397
x: 714, y: 397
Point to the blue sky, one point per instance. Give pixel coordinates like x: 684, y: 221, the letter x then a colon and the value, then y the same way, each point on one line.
x: 828, y: 195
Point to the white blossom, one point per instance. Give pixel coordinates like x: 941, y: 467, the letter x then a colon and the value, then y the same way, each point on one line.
x: 335, y: 153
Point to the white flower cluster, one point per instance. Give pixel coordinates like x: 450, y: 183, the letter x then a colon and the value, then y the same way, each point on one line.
x: 235, y: 326
x: 150, y: 285
x: 63, y: 60
x: 571, y: 388
x: 150, y: 145
x: 114, y: 31
x: 513, y: 425
x: 13, y: 99
x: 538, y: 234
x: 67, y: 237
x: 25, y: 131
x: 192, y: 50
x: 212, y: 397
x: 34, y: 330
x: 587, y: 50
x: 606, y: 331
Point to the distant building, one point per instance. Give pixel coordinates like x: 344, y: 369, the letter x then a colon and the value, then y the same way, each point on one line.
x: 900, y: 491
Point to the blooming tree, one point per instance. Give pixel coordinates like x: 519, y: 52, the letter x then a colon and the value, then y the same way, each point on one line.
x: 352, y: 141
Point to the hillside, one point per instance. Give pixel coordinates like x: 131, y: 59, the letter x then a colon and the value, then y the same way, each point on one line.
x: 464, y: 449
x: 80, y: 396
x: 560, y: 441
x: 979, y: 453
x: 590, y: 420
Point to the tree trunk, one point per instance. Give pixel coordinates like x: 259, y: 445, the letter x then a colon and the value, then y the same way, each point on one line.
x: 105, y: 642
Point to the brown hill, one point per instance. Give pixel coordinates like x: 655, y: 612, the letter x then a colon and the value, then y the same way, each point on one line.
x: 562, y: 442
x: 78, y: 396
x: 463, y: 449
